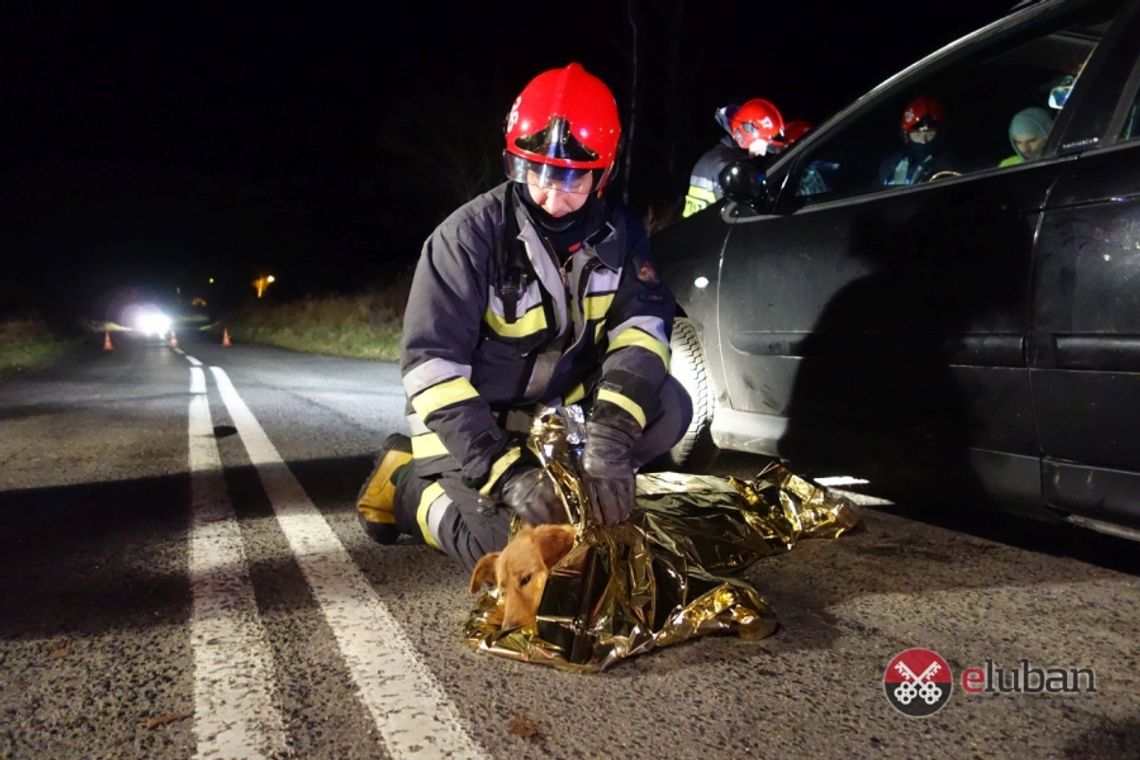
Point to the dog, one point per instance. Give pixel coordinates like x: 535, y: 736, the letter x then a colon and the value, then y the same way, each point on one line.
x: 520, y: 570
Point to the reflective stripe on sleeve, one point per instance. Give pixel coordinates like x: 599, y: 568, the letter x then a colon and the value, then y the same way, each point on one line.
x: 635, y: 336
x: 624, y: 402
x: 499, y: 467
x: 433, y: 372
x: 444, y: 394
x: 428, y: 445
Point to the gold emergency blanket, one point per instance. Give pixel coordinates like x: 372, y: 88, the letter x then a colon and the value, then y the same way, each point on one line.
x: 669, y: 574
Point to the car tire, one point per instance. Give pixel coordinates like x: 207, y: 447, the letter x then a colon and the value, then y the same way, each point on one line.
x: 695, y: 451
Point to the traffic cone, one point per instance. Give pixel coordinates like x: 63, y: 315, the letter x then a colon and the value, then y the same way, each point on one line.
x: 173, y: 340
x: 107, y: 341
x: 226, y: 337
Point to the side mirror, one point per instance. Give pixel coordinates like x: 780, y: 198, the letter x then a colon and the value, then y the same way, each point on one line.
x: 744, y: 183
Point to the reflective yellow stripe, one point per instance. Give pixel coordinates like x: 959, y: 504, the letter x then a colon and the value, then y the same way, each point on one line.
x: 624, y: 402
x: 597, y: 306
x: 528, y: 324
x: 445, y: 394
x: 428, y: 445
x: 430, y: 494
x: 698, y: 198
x: 599, y: 331
x: 634, y: 337
x: 499, y: 467
x: 576, y: 395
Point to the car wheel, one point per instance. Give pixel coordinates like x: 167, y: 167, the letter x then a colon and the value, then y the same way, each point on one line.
x: 696, y: 450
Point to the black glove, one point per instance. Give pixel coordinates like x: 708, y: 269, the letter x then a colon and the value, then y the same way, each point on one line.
x: 608, y: 466
x: 529, y: 492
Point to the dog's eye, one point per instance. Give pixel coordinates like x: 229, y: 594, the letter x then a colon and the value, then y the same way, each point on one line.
x: 524, y: 580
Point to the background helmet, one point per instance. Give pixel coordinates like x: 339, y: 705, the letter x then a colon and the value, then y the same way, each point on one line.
x: 794, y: 130
x: 757, y: 119
x: 922, y: 113
x: 563, y: 126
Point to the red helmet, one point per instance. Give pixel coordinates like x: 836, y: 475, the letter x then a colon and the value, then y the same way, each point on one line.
x: 922, y: 113
x: 757, y: 120
x: 794, y: 130
x: 563, y: 126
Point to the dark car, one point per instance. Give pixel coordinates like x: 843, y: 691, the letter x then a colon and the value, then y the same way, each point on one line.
x: 976, y: 332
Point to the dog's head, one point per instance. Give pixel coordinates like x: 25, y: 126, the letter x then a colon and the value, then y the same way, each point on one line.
x: 520, y: 570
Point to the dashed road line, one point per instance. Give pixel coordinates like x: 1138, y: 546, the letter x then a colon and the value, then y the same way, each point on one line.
x: 197, y: 382
x: 236, y: 709
x: 413, y: 713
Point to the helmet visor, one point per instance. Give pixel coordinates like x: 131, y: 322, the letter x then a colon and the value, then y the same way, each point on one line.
x: 567, y: 180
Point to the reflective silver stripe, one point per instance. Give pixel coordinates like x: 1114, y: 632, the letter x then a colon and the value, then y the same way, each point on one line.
x: 655, y: 326
x: 432, y: 372
x: 702, y: 182
x: 603, y: 280
x: 548, y: 273
x: 435, y: 515
x: 417, y: 426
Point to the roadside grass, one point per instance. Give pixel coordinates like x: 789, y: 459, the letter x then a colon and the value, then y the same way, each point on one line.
x: 365, y: 325
x: 27, y: 342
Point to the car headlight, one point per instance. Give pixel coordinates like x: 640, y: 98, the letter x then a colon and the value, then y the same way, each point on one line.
x: 153, y: 323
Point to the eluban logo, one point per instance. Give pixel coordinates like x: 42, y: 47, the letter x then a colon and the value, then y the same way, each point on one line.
x: 918, y: 682
x: 1027, y: 679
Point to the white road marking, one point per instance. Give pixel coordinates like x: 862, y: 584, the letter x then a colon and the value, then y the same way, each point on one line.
x: 410, y: 708
x: 197, y: 382
x: 189, y: 358
x: 236, y: 710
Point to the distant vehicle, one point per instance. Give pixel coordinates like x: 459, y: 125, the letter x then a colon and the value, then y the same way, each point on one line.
x: 144, y: 310
x: 975, y: 334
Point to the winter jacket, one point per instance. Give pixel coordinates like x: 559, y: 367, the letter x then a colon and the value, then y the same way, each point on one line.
x: 496, y: 325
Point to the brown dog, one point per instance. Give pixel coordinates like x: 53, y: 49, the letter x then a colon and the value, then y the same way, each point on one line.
x: 520, y: 570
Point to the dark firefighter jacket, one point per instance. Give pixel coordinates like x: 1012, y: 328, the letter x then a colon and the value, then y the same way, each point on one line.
x: 495, y: 326
x: 704, y: 180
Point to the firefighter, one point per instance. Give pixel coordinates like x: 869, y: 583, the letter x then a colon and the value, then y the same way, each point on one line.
x: 541, y: 291
x: 923, y: 155
x: 753, y: 130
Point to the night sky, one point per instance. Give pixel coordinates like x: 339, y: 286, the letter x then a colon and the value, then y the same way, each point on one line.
x: 168, y: 142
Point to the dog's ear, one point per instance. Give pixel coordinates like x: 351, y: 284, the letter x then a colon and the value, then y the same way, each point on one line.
x: 553, y: 542
x: 484, y: 571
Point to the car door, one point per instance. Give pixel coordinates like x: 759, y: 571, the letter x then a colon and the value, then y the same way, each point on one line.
x: 1085, y: 344
x: 882, y: 329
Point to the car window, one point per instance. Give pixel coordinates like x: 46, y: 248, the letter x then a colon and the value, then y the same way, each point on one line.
x: 1132, y: 123
x: 975, y: 116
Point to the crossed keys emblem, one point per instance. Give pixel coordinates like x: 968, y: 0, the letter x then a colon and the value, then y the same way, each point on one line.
x: 919, y: 686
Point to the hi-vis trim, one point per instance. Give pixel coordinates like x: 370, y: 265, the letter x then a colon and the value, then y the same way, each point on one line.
x: 604, y: 280
x: 445, y: 394
x: 427, y: 498
x: 577, y: 393
x: 529, y: 323
x: 433, y: 372
x: 698, y: 198
x: 625, y: 402
x: 645, y: 332
x: 597, y: 306
x: 498, y: 468
x: 427, y: 446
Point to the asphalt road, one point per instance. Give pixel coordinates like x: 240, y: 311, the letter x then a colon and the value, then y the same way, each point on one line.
x: 182, y: 575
